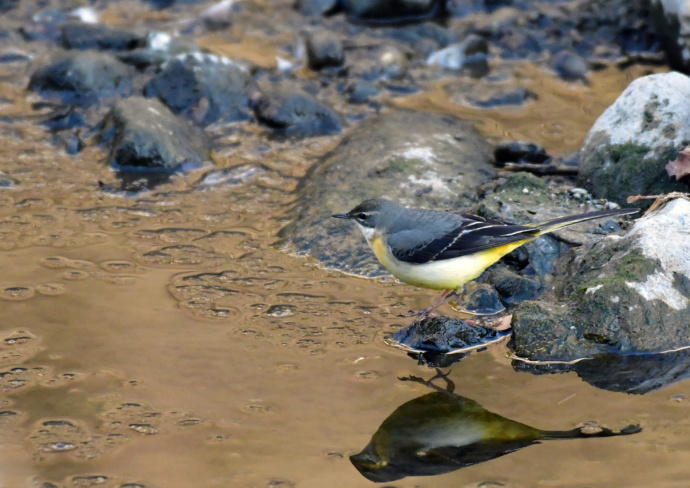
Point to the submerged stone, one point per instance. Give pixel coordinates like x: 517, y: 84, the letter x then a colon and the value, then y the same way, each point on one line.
x: 446, y: 335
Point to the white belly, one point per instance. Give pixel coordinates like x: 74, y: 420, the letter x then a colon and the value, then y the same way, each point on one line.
x: 448, y: 274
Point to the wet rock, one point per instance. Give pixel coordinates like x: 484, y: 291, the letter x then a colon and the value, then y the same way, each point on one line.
x: 495, y: 96
x: 637, y: 374
x: 82, y: 78
x: 316, y: 7
x: 45, y: 25
x: 625, y: 294
x: 296, y: 113
x: 416, y: 158
x: 384, y: 11
x: 512, y: 287
x: 628, y: 147
x: 360, y: 91
x: 524, y: 198
x: 672, y: 21
x: 204, y: 88
x: 520, y: 152
x: 12, y: 55
x: 161, y: 4
x: 100, y: 37
x: 384, y: 62
x: 160, y: 48
x: 324, y: 50
x: 570, y: 66
x: 7, y: 5
x: 480, y: 298
x: 143, y: 134
x: 446, y: 335
x: 392, y: 62
x: 473, y: 51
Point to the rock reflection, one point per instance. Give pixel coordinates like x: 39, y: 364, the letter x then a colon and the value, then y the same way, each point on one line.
x: 634, y: 374
x: 442, y: 432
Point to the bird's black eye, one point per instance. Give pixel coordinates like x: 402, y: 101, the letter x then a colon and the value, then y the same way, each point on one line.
x: 362, y: 216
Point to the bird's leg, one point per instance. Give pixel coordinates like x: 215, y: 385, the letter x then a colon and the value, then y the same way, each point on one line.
x: 445, y: 297
x: 450, y: 385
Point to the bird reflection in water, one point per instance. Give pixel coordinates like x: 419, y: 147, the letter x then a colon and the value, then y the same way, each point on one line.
x: 441, y: 432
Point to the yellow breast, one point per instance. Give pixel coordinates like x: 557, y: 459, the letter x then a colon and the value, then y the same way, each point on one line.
x: 448, y: 274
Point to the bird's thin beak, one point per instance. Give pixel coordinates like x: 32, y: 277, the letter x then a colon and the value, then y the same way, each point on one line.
x: 341, y: 216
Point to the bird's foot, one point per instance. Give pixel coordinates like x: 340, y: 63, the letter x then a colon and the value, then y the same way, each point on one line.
x: 500, y: 324
x: 420, y: 314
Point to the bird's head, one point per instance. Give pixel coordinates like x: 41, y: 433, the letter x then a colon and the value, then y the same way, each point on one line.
x: 372, y: 215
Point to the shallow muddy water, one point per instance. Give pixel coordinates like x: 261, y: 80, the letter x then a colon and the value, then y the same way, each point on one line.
x: 161, y: 340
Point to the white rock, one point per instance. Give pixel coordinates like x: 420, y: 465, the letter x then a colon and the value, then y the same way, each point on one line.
x: 665, y: 237
x: 665, y: 96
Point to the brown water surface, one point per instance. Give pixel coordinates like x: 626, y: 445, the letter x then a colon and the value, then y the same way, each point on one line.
x: 160, y: 339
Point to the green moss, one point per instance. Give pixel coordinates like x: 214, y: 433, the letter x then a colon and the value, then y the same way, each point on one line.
x: 519, y: 181
x: 627, y: 153
x: 631, y: 267
x: 403, y: 165
x: 648, y: 117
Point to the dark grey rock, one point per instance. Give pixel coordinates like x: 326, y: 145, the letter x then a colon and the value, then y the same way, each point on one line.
x: 100, y: 37
x: 470, y: 53
x: 480, y: 298
x: 7, y: 5
x: 495, y: 96
x: 360, y: 91
x: 416, y: 158
x: 45, y: 25
x: 324, y: 50
x: 385, y: 11
x: 627, y: 149
x: 315, y: 7
x: 82, y: 78
x: 672, y: 21
x: 570, y: 66
x: 143, y: 134
x: 296, y: 113
x: 160, y: 48
x: 386, y: 61
x: 391, y: 61
x: 512, y: 287
x: 14, y: 56
x: 627, y: 295
x: 446, y: 335
x: 520, y: 152
x: 204, y: 88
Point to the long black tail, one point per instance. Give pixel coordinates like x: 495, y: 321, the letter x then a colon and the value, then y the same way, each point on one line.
x: 551, y: 225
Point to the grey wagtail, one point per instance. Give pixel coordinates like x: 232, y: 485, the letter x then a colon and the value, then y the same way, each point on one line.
x: 444, y: 250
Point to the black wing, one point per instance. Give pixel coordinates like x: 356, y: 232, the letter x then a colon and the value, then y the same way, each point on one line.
x: 472, y: 235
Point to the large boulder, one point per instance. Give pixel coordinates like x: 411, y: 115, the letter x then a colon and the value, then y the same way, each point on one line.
x: 628, y: 294
x: 627, y: 149
x: 416, y: 158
